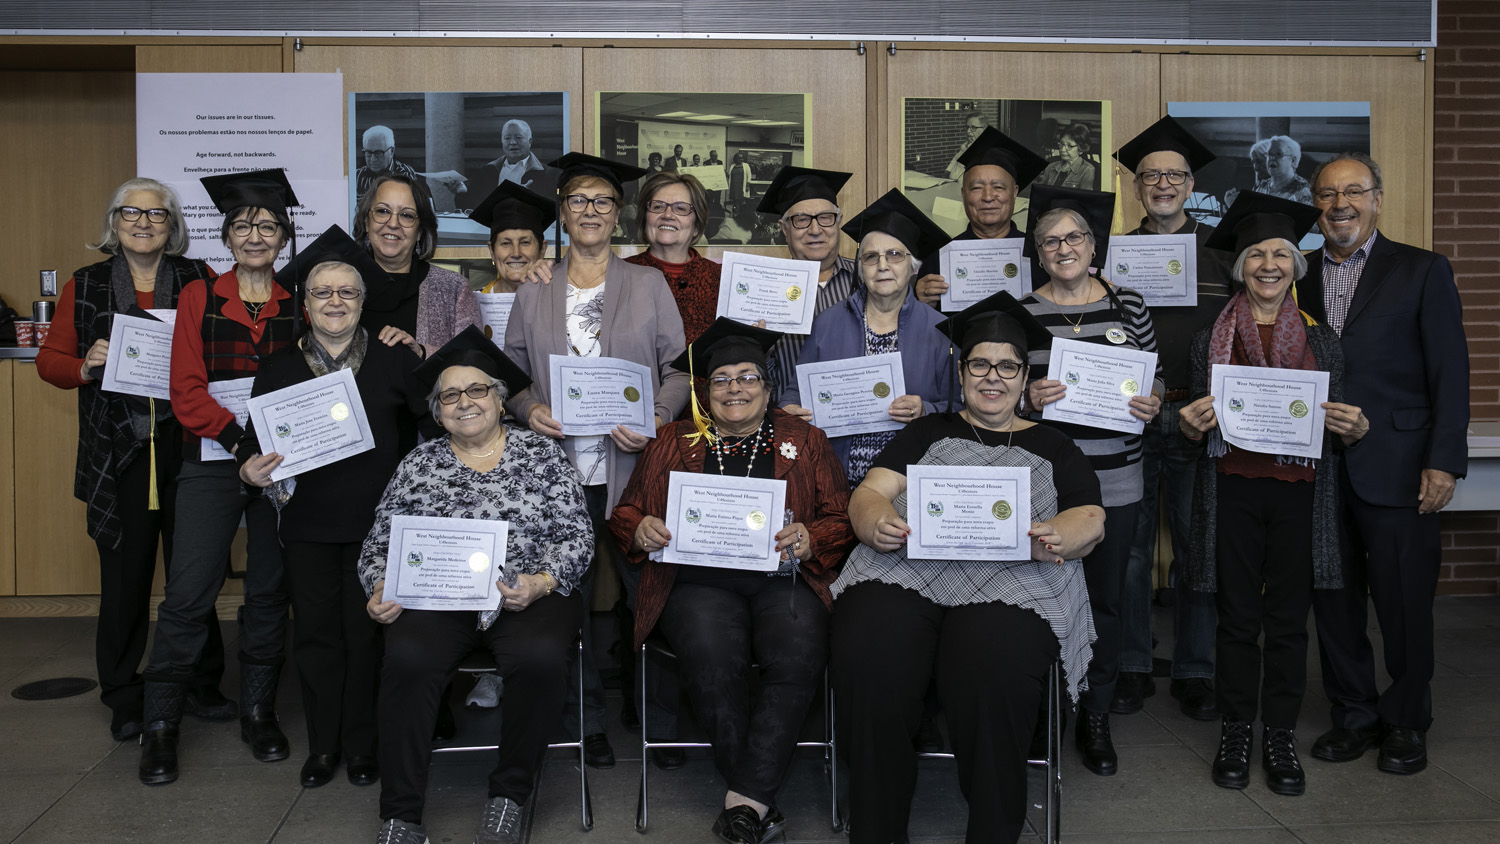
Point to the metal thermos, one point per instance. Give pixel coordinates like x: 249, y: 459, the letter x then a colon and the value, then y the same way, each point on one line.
x: 41, y: 310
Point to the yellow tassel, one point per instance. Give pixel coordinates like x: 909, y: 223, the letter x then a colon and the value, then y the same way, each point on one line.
x: 700, y: 421
x: 152, y: 503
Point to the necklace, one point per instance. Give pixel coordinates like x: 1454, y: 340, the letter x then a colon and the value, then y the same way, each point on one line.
x: 1077, y: 326
x: 477, y: 456
x: 1011, y: 431
x: 718, y: 442
x: 254, y: 309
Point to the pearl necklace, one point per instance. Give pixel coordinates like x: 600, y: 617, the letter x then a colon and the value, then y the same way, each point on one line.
x: 718, y: 442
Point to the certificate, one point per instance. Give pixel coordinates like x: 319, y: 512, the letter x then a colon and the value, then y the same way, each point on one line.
x: 494, y: 314
x: 311, y: 424
x: 231, y: 395
x: 968, y: 512
x: 977, y: 269
x: 445, y: 564
x: 140, y: 357
x: 852, y: 395
x: 1100, y: 380
x: 592, y: 396
x: 1163, y: 268
x: 723, y: 522
x: 781, y: 291
x: 1272, y: 411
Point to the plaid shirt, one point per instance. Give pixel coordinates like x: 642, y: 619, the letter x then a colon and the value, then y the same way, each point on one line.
x: 1339, y: 282
x: 782, y: 360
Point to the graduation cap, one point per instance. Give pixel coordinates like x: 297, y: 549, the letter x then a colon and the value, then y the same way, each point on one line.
x: 1255, y: 217
x: 1165, y: 135
x: 334, y: 244
x: 511, y: 206
x: 581, y: 164
x: 996, y: 319
x: 997, y: 148
x: 1097, y: 208
x: 266, y: 189
x: 726, y: 342
x: 472, y: 348
x: 894, y: 215
x: 797, y: 184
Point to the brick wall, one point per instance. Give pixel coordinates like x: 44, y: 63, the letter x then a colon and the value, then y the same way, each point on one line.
x: 935, y: 128
x: 1471, y: 558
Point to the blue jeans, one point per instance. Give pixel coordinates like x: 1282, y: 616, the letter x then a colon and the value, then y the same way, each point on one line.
x: 1170, y: 459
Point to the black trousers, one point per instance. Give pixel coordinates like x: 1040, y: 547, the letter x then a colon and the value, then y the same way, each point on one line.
x: 991, y: 662
x: 336, y: 644
x: 1264, y: 554
x: 1104, y: 573
x: 721, y: 627
x: 1393, y: 554
x: 125, y: 575
x: 534, y: 651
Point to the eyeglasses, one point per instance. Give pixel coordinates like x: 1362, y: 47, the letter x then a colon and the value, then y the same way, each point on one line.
x: 681, y: 209
x: 130, y: 213
x: 377, y: 153
x: 802, y: 221
x: 746, y: 381
x: 1327, y: 196
x: 266, y: 228
x: 980, y: 368
x: 577, y: 202
x: 1174, y: 177
x: 345, y: 293
x: 894, y: 257
x: 1051, y: 244
x: 473, y: 391
x: 406, y: 218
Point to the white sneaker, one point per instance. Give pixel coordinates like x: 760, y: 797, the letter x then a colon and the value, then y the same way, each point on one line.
x: 487, y: 691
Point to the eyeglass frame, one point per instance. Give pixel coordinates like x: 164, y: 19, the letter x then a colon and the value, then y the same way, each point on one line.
x: 235, y: 228
x: 585, y: 202
x: 809, y: 219
x: 893, y: 258
x: 358, y: 293
x: 1057, y: 242
x: 124, y: 212
x: 453, y: 393
x: 1152, y: 178
x: 1331, y: 195
x: 660, y: 206
x: 382, y: 214
x: 722, y: 382
x: 967, y: 364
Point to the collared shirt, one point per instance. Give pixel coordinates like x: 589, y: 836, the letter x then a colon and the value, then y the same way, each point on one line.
x: 1339, y: 282
x: 782, y: 361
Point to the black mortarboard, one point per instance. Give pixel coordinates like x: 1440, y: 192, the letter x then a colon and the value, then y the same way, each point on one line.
x: 1096, y: 206
x: 1165, y: 135
x: 995, y: 147
x: 996, y: 319
x: 511, y: 206
x: 266, y: 189
x: 894, y: 215
x: 581, y: 164
x: 1255, y: 217
x: 472, y: 348
x: 726, y: 342
x: 796, y: 184
x: 334, y: 244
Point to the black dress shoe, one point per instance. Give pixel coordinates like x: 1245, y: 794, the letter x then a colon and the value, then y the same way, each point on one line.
x: 1279, y: 757
x: 158, y: 765
x: 772, y: 825
x: 738, y: 825
x: 1095, y: 743
x: 124, y: 726
x: 596, y: 751
x: 318, y: 769
x: 1404, y: 751
x: 1341, y: 744
x: 1196, y: 698
x: 206, y: 703
x: 1131, y: 691
x: 928, y: 739
x: 261, y: 729
x: 668, y: 758
x: 363, y: 770
x: 1232, y: 764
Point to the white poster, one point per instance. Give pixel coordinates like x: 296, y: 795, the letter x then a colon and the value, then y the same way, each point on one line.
x: 191, y: 125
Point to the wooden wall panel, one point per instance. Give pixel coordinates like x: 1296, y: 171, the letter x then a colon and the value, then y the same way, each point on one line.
x: 8, y: 446
x: 1395, y: 86
x: 209, y: 58
x: 54, y: 555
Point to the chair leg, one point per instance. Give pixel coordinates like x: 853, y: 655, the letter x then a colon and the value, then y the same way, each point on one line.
x: 584, y: 798
x: 1055, y: 694
x: 831, y: 753
x: 641, y: 809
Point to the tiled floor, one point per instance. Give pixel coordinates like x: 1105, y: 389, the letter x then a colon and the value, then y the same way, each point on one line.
x: 63, y: 780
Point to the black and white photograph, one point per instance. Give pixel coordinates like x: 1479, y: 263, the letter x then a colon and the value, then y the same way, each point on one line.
x: 734, y: 144
x: 1271, y: 148
x: 1073, y: 135
x: 462, y: 144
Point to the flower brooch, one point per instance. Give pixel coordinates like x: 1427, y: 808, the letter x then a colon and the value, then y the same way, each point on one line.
x: 788, y: 450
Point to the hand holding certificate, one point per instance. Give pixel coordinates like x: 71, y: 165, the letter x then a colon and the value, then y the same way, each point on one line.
x: 445, y: 564
x: 231, y: 395
x: 781, y: 291
x: 852, y: 395
x: 1163, y: 268
x: 311, y: 424
x: 1271, y: 411
x: 724, y: 522
x: 140, y: 357
x: 977, y: 269
x: 593, y: 396
x: 968, y: 513
x: 1100, y: 381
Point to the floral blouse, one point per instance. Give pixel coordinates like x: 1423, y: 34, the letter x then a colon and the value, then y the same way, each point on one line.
x: 534, y: 488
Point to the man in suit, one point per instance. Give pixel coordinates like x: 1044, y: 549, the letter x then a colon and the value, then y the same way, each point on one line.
x: 1406, y: 365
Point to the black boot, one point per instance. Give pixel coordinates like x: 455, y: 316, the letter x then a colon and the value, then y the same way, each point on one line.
x: 1279, y: 758
x: 164, y: 702
x: 258, y: 722
x: 1095, y: 743
x: 1232, y: 765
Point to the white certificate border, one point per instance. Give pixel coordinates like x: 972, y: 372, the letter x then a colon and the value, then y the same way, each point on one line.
x: 769, y: 562
x: 806, y: 372
x: 1189, y: 243
x: 499, y: 533
x: 258, y: 407
x: 916, y: 546
x: 950, y: 303
x: 1220, y: 372
x: 1057, y: 412
x: 209, y: 449
x: 731, y: 260
x: 645, y: 427
x: 111, y: 381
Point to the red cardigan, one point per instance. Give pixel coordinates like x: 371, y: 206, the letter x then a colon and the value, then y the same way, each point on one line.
x: 815, y: 484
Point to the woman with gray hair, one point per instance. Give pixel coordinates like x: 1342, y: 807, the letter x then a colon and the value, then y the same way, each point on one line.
x: 129, y: 447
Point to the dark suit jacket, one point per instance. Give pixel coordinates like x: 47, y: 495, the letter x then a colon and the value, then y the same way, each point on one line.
x: 1406, y: 365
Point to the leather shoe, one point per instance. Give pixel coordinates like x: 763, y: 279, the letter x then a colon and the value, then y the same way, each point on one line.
x: 772, y: 825
x: 668, y: 758
x: 1131, y: 691
x: 1404, y: 751
x: 1342, y: 744
x: 208, y: 704
x: 928, y: 738
x: 1095, y: 743
x: 1232, y: 764
x: 738, y: 825
x: 596, y: 751
x: 158, y: 765
x: 1196, y: 698
x: 318, y: 769
x: 363, y: 770
x: 260, y: 729
x: 124, y: 726
x: 1279, y: 758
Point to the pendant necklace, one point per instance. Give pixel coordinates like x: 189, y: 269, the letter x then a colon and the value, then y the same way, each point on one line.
x: 1077, y: 326
x: 1011, y: 433
x: 754, y: 449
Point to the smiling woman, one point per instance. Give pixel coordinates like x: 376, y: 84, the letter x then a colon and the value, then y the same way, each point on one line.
x: 673, y: 210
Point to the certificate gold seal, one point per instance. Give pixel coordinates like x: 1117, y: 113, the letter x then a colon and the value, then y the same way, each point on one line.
x: 339, y: 412
x: 1115, y: 335
x: 632, y: 394
x: 489, y: 333
x: 793, y: 293
x: 1002, y: 510
x: 1129, y: 387
x: 882, y: 390
x: 1298, y: 408
x: 756, y: 520
x: 1174, y: 267
x: 479, y: 561
x: 1011, y: 270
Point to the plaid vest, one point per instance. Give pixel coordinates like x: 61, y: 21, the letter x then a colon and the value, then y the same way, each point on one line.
x: 229, y: 351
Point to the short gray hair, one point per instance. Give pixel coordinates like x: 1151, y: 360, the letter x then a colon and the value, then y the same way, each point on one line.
x: 498, y: 389
x: 514, y: 121
x: 327, y: 266
x: 1359, y: 157
x: 1299, y: 262
x: 914, y: 261
x: 177, y: 232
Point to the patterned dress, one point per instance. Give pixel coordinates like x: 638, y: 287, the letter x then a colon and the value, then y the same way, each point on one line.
x: 864, y: 448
